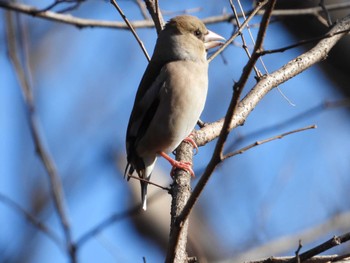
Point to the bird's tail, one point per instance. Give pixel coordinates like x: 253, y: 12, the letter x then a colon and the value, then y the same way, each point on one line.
x: 144, y: 195
x: 146, y: 174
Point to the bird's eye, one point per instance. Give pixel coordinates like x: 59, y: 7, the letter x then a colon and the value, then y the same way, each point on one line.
x: 198, y: 33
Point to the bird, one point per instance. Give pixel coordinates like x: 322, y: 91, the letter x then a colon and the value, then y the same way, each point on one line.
x: 170, y: 97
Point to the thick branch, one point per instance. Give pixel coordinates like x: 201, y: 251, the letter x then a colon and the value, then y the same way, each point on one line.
x: 82, y: 22
x: 267, y: 83
x: 178, y: 233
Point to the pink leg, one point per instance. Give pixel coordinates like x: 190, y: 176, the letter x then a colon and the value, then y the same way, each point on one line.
x: 191, y: 141
x: 176, y: 164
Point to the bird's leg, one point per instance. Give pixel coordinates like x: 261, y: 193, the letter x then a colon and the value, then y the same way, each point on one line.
x: 176, y: 164
x: 192, y: 142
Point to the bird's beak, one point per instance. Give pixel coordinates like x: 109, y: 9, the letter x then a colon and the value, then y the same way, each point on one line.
x: 212, y: 40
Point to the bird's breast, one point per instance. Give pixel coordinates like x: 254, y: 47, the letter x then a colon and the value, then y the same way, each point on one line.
x: 182, y: 98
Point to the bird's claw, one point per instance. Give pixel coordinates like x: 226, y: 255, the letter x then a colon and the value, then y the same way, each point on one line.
x: 187, y: 166
x: 192, y: 142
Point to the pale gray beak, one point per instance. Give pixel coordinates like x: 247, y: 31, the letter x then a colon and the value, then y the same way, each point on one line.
x: 212, y: 40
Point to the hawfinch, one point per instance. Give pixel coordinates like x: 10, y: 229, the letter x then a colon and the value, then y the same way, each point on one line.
x: 170, y: 97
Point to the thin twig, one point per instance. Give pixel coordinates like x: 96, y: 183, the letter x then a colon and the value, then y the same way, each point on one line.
x: 300, y: 246
x: 303, y: 42
x: 149, y: 182
x: 257, y: 143
x: 54, y: 179
x: 238, y: 32
x: 114, y: 3
x: 116, y: 217
x: 76, y: 4
x: 143, y: 9
x: 31, y: 219
x: 244, y: 44
x: 327, y: 14
x: 285, y: 123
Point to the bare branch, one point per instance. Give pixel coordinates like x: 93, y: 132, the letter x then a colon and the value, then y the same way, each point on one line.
x: 257, y: 143
x: 149, y: 182
x: 324, y: 9
x: 54, y: 179
x: 71, y: 20
x: 339, y: 222
x: 268, y: 82
x: 333, y: 242
x: 244, y: 44
x: 116, y: 217
x: 303, y: 42
x: 317, y: 259
x: 83, y: 23
x: 326, y: 105
x: 143, y: 9
x: 239, y: 31
x: 114, y: 3
x: 31, y: 219
x: 153, y: 9
x: 181, y: 186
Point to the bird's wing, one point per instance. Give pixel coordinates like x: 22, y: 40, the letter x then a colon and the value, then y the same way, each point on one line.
x: 145, y: 106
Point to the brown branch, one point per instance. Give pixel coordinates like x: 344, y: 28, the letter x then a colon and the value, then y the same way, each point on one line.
x: 257, y: 143
x: 149, y: 182
x: 296, y: 66
x: 116, y: 217
x: 143, y: 9
x: 325, y: 11
x: 54, y: 180
x: 239, y: 31
x: 244, y: 44
x: 31, y: 219
x: 303, y: 42
x: 72, y: 20
x: 336, y: 223
x: 326, y: 105
x: 153, y: 9
x: 83, y: 23
x: 317, y: 259
x: 114, y: 3
x: 180, y: 193
x: 76, y: 4
x: 181, y: 190
x: 333, y: 242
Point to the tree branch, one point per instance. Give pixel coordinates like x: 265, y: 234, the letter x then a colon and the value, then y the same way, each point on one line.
x: 114, y: 3
x: 181, y: 186
x: 153, y: 9
x: 31, y: 219
x: 334, y: 241
x: 54, y: 179
x: 296, y: 66
x: 257, y: 143
x: 83, y: 23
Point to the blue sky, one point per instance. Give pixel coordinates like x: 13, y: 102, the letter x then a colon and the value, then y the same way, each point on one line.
x: 84, y: 82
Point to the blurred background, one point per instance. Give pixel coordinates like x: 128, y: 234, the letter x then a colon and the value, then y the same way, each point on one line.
x: 257, y: 204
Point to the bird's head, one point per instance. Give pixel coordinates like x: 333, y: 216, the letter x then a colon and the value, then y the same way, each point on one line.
x: 185, y: 38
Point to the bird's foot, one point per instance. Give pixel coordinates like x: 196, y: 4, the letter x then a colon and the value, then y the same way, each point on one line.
x: 187, y: 166
x: 192, y: 142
